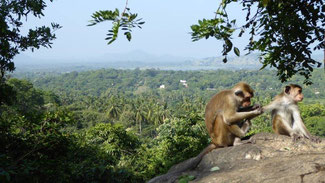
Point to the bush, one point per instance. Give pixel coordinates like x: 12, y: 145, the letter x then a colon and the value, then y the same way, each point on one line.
x: 178, y: 139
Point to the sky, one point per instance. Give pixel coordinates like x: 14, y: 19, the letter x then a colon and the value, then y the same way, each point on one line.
x: 166, y: 31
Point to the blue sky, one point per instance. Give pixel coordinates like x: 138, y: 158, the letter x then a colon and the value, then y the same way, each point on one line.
x: 166, y: 31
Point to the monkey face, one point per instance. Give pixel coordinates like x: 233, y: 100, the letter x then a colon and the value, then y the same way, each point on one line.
x: 246, y: 101
x: 294, y: 91
x: 299, y: 95
x: 244, y: 98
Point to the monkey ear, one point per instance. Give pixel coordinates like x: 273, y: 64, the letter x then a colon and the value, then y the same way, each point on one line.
x: 287, y: 89
x: 239, y: 93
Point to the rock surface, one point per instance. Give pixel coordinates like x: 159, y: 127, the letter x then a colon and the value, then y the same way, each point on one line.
x: 270, y: 158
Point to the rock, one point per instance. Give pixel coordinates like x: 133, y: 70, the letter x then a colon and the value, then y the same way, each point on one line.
x: 271, y: 158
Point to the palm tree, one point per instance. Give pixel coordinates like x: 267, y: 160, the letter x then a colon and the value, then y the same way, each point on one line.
x: 114, y: 109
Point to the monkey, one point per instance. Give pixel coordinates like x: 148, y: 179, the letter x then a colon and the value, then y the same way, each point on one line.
x: 224, y: 114
x: 222, y: 118
x: 286, y: 118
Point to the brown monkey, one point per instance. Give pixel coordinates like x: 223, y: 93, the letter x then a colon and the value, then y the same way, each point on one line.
x: 286, y: 119
x: 222, y: 117
x: 225, y: 112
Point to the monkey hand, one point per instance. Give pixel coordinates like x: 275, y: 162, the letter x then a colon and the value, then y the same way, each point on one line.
x: 256, y: 106
x: 259, y: 110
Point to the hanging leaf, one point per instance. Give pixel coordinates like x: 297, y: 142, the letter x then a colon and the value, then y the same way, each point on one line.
x: 126, y: 21
x: 237, y: 52
x: 128, y: 36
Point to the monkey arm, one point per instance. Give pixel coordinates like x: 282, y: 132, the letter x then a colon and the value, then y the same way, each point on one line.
x: 299, y: 126
x: 249, y: 108
x: 298, y: 123
x: 270, y: 106
x: 237, y: 117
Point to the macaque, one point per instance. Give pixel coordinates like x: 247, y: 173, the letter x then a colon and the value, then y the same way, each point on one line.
x: 223, y: 119
x: 286, y: 119
x: 227, y: 118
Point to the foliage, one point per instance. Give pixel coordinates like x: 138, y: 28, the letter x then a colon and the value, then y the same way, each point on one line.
x: 314, y: 116
x: 178, y: 139
x: 29, y: 100
x: 39, y: 148
x: 283, y: 31
x: 12, y: 41
x: 312, y: 110
x: 109, y: 133
x: 260, y: 124
x: 316, y: 125
x: 7, y: 93
x: 112, y: 139
x: 126, y: 21
x: 106, y: 82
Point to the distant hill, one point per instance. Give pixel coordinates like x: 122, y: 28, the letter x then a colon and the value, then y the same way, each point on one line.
x: 139, y: 59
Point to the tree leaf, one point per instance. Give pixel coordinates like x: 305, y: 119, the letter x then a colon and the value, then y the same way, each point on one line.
x: 237, y: 52
x: 216, y: 168
x: 128, y: 36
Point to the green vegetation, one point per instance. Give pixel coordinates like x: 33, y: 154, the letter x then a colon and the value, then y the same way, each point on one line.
x: 284, y: 32
x: 12, y: 40
x: 119, y: 125
x: 122, y: 125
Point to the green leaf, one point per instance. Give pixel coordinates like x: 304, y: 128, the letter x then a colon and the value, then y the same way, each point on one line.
x: 225, y: 60
x: 237, y: 52
x: 183, y: 180
x: 191, y: 177
x: 265, y: 2
x: 229, y: 45
x: 216, y: 168
x: 128, y: 36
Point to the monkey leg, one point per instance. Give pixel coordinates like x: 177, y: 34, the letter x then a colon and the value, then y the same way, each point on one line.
x: 236, y: 131
x: 237, y: 141
x: 246, y: 126
x: 282, y: 127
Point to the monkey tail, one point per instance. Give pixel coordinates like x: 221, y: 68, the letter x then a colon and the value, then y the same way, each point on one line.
x: 175, y: 171
x: 192, y: 162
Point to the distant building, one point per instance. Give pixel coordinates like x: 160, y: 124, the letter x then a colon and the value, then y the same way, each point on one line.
x: 162, y: 87
x: 317, y: 93
x: 184, y: 83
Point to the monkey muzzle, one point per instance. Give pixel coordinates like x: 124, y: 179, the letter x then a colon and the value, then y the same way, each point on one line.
x: 246, y: 102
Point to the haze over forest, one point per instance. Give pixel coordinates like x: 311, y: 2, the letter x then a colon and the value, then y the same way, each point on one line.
x: 139, y: 59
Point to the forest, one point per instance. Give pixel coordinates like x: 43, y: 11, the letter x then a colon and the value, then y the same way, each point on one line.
x: 113, y: 125
x: 120, y: 125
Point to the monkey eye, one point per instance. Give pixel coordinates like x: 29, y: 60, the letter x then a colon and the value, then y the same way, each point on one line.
x: 252, y: 94
x: 239, y: 93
